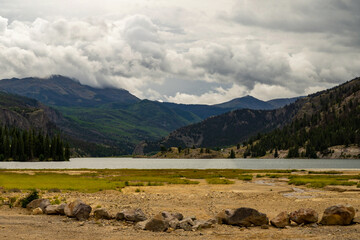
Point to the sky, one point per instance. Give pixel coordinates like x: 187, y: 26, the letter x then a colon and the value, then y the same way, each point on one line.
x: 203, y: 51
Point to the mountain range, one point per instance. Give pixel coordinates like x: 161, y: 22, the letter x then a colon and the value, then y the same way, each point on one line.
x: 114, y: 118
x: 327, y: 118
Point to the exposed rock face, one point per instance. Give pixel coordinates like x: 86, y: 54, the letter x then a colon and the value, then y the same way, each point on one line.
x: 132, y: 215
x: 244, y: 217
x: 37, y: 211
x: 101, y: 213
x: 304, y: 216
x: 51, y: 210
x: 338, y: 215
x: 281, y: 220
x: 41, y: 203
x: 82, y: 211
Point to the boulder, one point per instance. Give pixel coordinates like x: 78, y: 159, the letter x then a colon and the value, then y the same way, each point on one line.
x: 51, y: 210
x: 244, y: 217
x: 101, y: 213
x: 37, y: 211
x: 69, y: 208
x: 132, y: 215
x: 281, y: 220
x: 204, y: 224
x: 156, y: 224
x: 41, y: 203
x: 82, y: 211
x: 338, y: 215
x: 304, y: 216
x: 61, y: 209
x: 186, y: 224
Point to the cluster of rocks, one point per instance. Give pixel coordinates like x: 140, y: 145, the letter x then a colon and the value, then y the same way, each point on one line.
x: 247, y: 217
x: 165, y: 221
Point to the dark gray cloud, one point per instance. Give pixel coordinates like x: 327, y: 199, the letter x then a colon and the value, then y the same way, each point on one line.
x: 157, y: 48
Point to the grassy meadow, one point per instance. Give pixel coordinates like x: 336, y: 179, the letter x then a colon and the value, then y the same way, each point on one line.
x: 96, y: 180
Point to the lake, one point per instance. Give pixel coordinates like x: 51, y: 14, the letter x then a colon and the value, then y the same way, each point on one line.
x: 150, y: 163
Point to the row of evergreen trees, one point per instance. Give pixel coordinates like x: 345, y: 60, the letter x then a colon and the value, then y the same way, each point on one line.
x: 335, y: 120
x: 28, y: 145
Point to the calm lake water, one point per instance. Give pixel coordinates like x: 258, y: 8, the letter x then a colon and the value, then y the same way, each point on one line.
x: 145, y: 163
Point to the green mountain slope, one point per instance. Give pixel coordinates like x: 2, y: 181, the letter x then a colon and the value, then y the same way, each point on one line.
x: 318, y: 121
x: 62, y: 91
x: 326, y: 119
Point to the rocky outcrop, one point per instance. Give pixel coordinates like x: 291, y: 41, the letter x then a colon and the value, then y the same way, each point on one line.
x: 338, y: 215
x: 304, y: 216
x: 282, y: 220
x: 38, y: 203
x: 132, y: 215
x: 244, y: 217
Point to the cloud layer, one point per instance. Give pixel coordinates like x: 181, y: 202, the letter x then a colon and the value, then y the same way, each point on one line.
x: 257, y: 47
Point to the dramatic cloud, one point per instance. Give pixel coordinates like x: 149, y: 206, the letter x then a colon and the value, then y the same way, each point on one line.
x: 190, y: 52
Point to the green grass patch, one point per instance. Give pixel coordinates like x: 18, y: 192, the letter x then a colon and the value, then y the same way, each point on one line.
x: 319, y: 181
x: 245, y: 177
x: 46, y: 181
x: 219, y: 181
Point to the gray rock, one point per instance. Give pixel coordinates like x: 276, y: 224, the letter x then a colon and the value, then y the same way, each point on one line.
x: 69, y: 208
x: 244, y: 217
x: 141, y: 225
x: 132, y: 215
x: 61, y: 209
x: 174, y: 223
x: 82, y: 211
x: 338, y: 215
x: 171, y: 216
x: 304, y: 216
x: 101, y: 213
x: 51, y: 210
x: 178, y: 216
x: 204, y: 224
x: 186, y: 224
x: 157, y: 224
x: 281, y: 220
x: 41, y: 203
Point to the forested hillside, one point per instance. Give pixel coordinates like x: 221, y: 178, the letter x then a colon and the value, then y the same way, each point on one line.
x: 327, y: 119
x: 306, y: 128
x: 29, y: 145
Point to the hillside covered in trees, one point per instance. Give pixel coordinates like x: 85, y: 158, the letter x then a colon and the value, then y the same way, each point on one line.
x: 329, y: 118
x: 306, y: 128
x: 24, y: 145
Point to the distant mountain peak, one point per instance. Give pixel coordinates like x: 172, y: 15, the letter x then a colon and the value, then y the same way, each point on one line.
x: 59, y: 90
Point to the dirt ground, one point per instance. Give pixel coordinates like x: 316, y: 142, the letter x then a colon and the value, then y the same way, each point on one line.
x: 269, y: 196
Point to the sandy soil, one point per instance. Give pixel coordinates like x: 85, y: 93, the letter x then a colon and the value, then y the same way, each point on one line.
x: 270, y: 196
